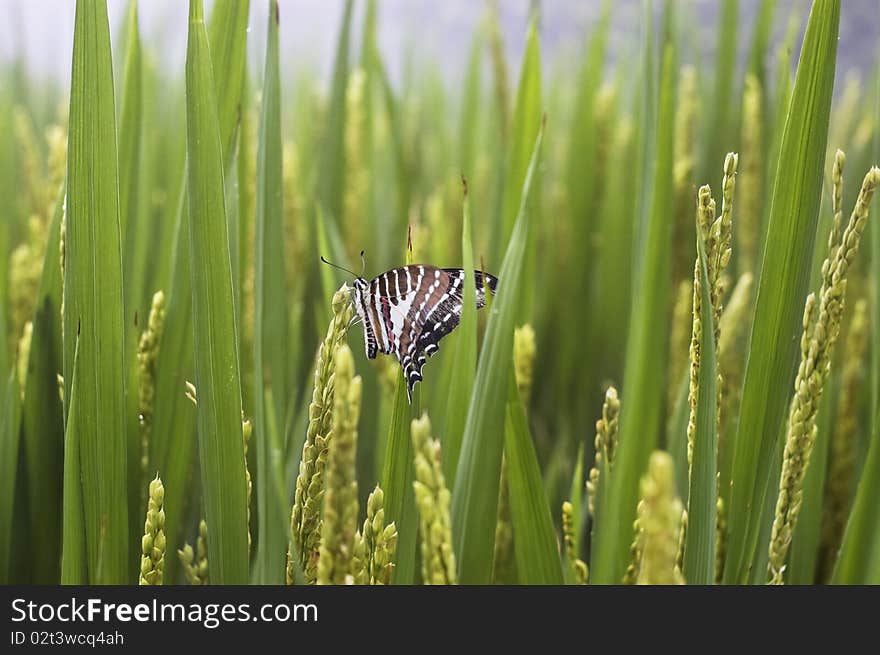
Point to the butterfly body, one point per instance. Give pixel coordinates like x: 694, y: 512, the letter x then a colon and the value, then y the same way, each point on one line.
x: 407, y: 310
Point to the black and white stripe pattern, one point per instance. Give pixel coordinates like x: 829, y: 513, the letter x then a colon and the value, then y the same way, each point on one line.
x: 407, y: 310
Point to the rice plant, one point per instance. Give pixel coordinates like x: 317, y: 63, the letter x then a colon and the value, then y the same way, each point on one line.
x: 674, y: 376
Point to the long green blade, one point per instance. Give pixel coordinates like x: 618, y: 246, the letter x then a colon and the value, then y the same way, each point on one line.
x: 699, y: 553
x: 644, y: 387
x: 461, y: 364
x: 397, y: 477
x: 859, y: 559
x: 862, y: 534
x: 537, y: 557
x: 93, y: 297
x: 720, y: 127
x: 133, y: 226
x: 10, y: 432
x: 227, y: 32
x: 782, y: 285
x: 42, y: 423
x: 475, y: 495
x: 130, y: 137
x: 331, y: 181
x: 270, y: 316
x: 524, y: 129
x: 173, y: 440
x: 221, y: 448
x: 73, y: 545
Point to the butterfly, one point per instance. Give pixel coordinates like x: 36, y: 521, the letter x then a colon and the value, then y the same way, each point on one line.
x: 406, y: 311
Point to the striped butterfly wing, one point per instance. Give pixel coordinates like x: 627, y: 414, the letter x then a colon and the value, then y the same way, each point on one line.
x: 410, y: 309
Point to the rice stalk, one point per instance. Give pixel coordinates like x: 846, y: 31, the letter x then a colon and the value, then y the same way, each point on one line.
x: 660, y: 523
x: 305, y: 520
x: 153, y: 541
x: 340, y: 500
x: 375, y: 545
x: 578, y: 566
x: 605, y: 445
x: 195, y: 564
x: 433, y: 499
x: 147, y: 355
x: 821, y: 327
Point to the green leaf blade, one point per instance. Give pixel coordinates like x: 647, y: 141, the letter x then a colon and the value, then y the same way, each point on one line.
x: 458, y: 378
x: 93, y: 304
x: 74, y: 569
x: 10, y: 433
x: 782, y: 285
x: 397, y: 478
x: 331, y: 180
x: 699, y: 553
x: 42, y: 422
x: 475, y: 494
x: 644, y: 385
x: 537, y: 557
x: 270, y: 315
x: 221, y: 447
x: 173, y: 442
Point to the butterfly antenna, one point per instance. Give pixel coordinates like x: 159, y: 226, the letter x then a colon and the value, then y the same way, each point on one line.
x: 363, y: 263
x: 341, y: 268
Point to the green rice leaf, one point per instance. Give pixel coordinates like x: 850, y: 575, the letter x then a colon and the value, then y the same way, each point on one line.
x: 93, y: 298
x: 526, y: 123
x: 475, y: 495
x: 270, y: 316
x: 130, y: 137
x: 699, y: 551
x: 397, y: 477
x: 470, y: 106
x: 720, y: 128
x: 74, y: 569
x: 857, y: 562
x: 644, y: 387
x: 676, y: 435
x: 221, y: 448
x: 584, y: 131
x: 173, y: 442
x: 582, y: 183
x: 523, y: 130
x: 782, y: 285
x: 331, y: 179
x: 461, y: 364
x: 859, y: 558
x: 10, y: 433
x: 227, y: 36
x: 134, y: 230
x: 534, y: 540
x: 42, y: 422
x: 3, y: 354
